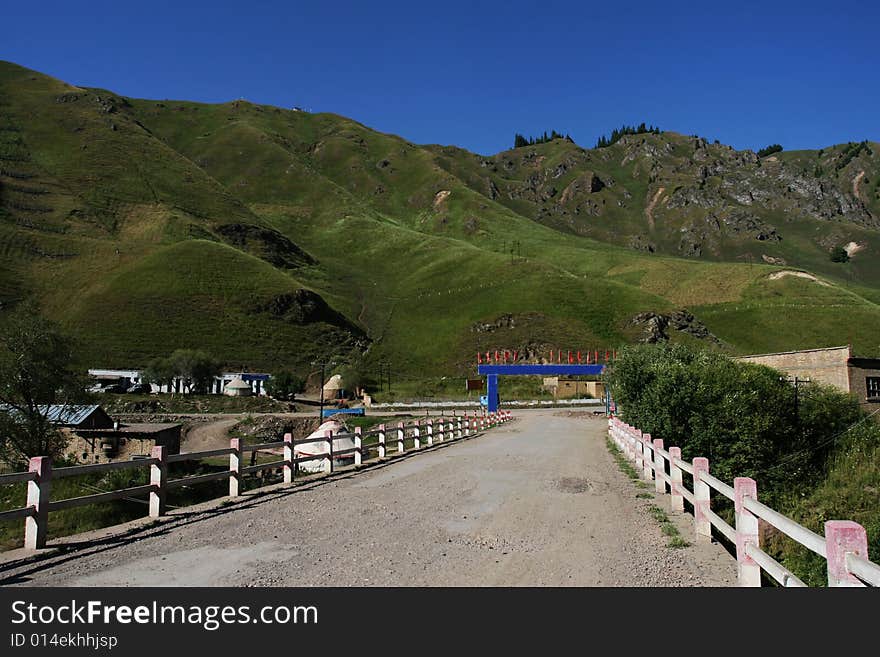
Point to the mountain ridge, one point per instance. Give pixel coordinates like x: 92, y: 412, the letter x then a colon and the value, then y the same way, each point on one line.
x: 410, y: 247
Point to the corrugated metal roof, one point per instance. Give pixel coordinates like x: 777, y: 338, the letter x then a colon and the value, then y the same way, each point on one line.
x: 72, y: 414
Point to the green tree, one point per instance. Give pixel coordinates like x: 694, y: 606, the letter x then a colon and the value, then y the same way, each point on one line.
x: 36, y: 371
x: 195, y: 369
x: 285, y: 385
x: 839, y: 254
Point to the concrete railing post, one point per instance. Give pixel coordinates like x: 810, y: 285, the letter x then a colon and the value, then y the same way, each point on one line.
x: 235, y: 464
x: 328, y: 462
x: 417, y: 433
x: 647, y: 457
x: 659, y: 467
x: 638, y: 446
x: 842, y: 536
x: 38, y: 493
x: 158, y: 480
x: 702, y: 499
x: 358, y: 446
x: 429, y: 431
x: 381, y: 441
x: 458, y: 431
x: 467, y: 424
x: 400, y: 438
x: 440, y: 431
x: 677, y: 501
x: 289, y: 466
x: 749, y: 572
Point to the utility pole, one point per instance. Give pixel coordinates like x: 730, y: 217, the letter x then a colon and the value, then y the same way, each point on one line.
x: 323, y: 365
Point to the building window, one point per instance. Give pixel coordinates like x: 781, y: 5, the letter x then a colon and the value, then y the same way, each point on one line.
x: 872, y: 383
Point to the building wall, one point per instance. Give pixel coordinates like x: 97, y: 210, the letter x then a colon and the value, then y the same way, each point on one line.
x: 827, y: 366
x: 858, y: 385
x: 574, y: 388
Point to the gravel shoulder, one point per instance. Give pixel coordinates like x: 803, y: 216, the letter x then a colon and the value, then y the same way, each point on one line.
x: 537, y: 502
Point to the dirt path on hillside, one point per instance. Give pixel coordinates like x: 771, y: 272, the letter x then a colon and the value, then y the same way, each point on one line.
x: 207, y: 435
x: 856, y: 181
x: 539, y: 501
x: 649, y: 211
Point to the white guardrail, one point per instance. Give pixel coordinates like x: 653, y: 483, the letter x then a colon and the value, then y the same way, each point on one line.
x: 844, y: 546
x: 41, y: 473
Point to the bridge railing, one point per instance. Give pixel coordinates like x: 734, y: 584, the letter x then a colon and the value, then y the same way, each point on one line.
x: 400, y: 438
x: 844, y: 546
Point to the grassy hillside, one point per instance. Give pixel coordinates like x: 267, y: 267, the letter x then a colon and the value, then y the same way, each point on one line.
x: 273, y: 237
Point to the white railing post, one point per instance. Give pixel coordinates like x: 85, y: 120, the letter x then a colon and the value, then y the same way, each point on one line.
x: 400, y: 437
x: 440, y: 432
x: 702, y: 499
x: 429, y: 430
x: 677, y: 501
x: 647, y: 457
x: 467, y: 424
x: 289, y: 467
x: 38, y: 494
x: 381, y: 441
x: 639, y: 450
x: 328, y: 462
x: 842, y: 536
x: 235, y: 463
x: 158, y: 479
x: 358, y: 446
x: 749, y: 572
x: 458, y: 432
x: 416, y: 435
x: 659, y: 467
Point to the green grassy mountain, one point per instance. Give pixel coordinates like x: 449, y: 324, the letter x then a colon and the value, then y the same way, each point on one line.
x: 272, y: 237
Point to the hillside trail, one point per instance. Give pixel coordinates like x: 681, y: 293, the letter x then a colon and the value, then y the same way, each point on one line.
x: 856, y: 181
x: 207, y: 435
x: 649, y: 211
x: 536, y: 502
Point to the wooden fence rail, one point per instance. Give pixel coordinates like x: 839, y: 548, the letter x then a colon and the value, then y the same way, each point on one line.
x: 844, y: 546
x: 40, y: 472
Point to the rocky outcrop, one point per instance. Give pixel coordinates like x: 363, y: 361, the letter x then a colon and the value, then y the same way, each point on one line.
x: 266, y: 243
x: 657, y: 326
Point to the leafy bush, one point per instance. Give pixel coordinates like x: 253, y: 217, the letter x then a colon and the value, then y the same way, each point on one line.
x: 839, y: 254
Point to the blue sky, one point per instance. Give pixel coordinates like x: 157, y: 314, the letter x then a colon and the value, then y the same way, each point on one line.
x: 803, y: 74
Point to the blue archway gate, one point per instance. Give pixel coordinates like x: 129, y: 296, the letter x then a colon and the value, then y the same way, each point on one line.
x: 492, y: 372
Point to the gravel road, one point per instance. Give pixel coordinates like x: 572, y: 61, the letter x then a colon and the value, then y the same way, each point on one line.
x: 538, y: 501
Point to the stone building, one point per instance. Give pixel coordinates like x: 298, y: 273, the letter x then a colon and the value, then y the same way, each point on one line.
x: 574, y: 388
x: 835, y: 366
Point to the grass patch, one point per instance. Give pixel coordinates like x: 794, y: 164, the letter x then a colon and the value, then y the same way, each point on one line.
x: 666, y: 525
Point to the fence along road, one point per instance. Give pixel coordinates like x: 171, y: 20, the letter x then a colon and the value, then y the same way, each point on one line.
x: 536, y: 501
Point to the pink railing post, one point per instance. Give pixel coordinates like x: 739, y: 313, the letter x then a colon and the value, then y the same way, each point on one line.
x: 659, y: 467
x: 381, y: 441
x: 417, y: 433
x: 235, y: 463
x: 429, y: 429
x: 328, y: 462
x: 702, y: 499
x: 158, y: 480
x: 842, y: 536
x: 647, y: 457
x: 677, y: 501
x: 441, y: 433
x: 289, y: 466
x: 458, y: 432
x: 400, y: 438
x: 749, y: 572
x: 38, y: 495
x: 467, y: 424
x: 358, y: 446
x: 638, y: 450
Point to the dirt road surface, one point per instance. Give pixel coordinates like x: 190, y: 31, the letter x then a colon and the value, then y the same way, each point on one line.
x: 538, y: 501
